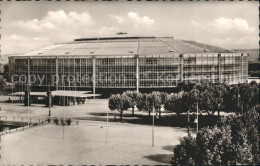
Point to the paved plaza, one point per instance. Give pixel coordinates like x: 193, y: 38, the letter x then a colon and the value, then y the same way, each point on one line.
x: 90, y: 141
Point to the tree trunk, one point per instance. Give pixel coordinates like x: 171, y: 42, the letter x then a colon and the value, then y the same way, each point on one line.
x: 218, y: 113
x: 133, y: 111
x: 179, y: 115
x: 210, y: 112
x: 121, y: 115
x: 159, y: 112
x: 242, y: 111
x: 188, y: 117
x: 149, y: 113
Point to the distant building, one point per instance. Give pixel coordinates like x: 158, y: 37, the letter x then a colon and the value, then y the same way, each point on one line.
x: 128, y: 62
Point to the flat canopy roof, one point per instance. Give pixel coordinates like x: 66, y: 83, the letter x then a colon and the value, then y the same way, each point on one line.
x: 39, y: 94
x: 82, y: 94
x: 73, y: 93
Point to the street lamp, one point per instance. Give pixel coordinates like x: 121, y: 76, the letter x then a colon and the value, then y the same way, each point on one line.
x: 49, y: 99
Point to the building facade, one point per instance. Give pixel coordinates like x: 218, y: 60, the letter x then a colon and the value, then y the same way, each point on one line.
x: 128, y: 63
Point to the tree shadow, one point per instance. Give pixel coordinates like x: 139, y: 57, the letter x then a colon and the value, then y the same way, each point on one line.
x: 111, y: 114
x: 169, y: 147
x: 100, y: 114
x: 161, y: 158
x: 171, y: 120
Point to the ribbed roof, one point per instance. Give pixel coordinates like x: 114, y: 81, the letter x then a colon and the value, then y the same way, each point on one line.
x: 130, y: 45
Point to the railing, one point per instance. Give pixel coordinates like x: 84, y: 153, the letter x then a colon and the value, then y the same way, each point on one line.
x: 32, y: 121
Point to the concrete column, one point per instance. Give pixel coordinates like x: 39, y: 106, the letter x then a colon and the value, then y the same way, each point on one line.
x: 94, y: 76
x: 79, y: 72
x: 28, y: 72
x: 137, y: 73
x: 181, y: 68
x: 57, y: 73
x: 27, y: 98
x: 49, y: 99
x: 74, y: 73
x: 219, y: 68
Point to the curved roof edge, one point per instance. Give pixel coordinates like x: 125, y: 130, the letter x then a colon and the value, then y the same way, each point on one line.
x: 114, y: 38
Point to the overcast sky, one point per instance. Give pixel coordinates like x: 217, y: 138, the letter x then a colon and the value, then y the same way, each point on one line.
x: 27, y: 26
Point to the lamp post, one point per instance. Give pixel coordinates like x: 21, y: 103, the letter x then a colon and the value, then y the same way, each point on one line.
x: 197, y: 117
x: 153, y: 128
x: 106, y: 126
x: 188, y: 121
x: 49, y: 97
x: 28, y: 102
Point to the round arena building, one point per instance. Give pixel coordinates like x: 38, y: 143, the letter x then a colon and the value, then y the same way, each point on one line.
x: 118, y: 63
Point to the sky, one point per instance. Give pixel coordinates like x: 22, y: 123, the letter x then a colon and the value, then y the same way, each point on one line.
x: 27, y: 26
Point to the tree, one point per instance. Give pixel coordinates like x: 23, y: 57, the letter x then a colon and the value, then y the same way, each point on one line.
x: 240, y: 99
x: 233, y: 141
x: 186, y: 86
x: 120, y: 103
x: 170, y: 102
x: 145, y: 103
x: 231, y: 99
x: 164, y: 97
x: 157, y: 101
x: 6, y: 73
x: 2, y: 84
x: 219, y: 91
x: 245, y: 134
x: 132, y: 95
x: 176, y: 103
x: 251, y: 120
x: 184, y: 153
x: 139, y: 101
x: 211, y: 97
x: 249, y: 96
x: 192, y: 100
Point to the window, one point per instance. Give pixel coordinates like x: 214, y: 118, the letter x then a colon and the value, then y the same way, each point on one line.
x: 151, y: 61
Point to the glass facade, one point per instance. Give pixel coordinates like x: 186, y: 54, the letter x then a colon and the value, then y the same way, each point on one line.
x: 153, y: 71
x: 159, y: 71
x: 116, y: 72
x: 74, y: 72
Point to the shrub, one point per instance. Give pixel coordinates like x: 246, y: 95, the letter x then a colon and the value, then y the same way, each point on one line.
x: 68, y: 121
x: 62, y: 121
x: 184, y: 153
x: 56, y: 121
x: 48, y: 119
